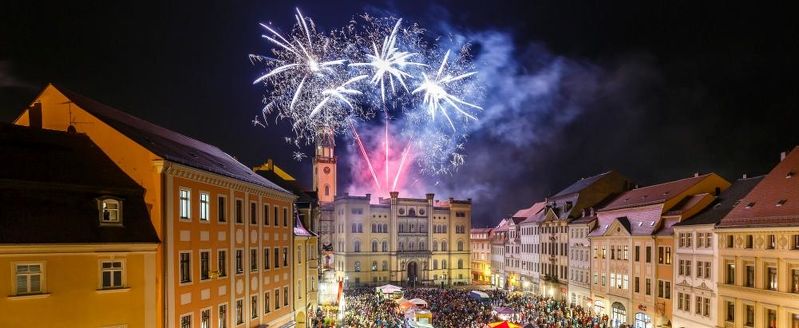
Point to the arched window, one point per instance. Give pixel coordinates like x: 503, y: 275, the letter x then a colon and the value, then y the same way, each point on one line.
x: 460, y: 264
x: 421, y: 246
x: 360, y: 227
x: 401, y: 246
x: 435, y: 245
x: 327, y: 190
x: 374, y: 265
x: 443, y: 264
x: 354, y: 228
x: 374, y: 245
x: 385, y: 246
x: 435, y: 264
x: 357, y: 266
x: 425, y: 264
x: 110, y: 211
x: 385, y: 265
x: 460, y: 245
x: 385, y: 227
x: 411, y: 212
x: 443, y: 245
x: 411, y: 245
x: 373, y: 228
x: 356, y: 246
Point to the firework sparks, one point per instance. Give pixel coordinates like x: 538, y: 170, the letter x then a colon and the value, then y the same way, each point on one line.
x: 389, y: 63
x: 437, y: 97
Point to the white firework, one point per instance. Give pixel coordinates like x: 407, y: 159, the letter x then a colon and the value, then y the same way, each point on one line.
x: 439, y: 95
x: 388, y: 63
x: 338, y: 94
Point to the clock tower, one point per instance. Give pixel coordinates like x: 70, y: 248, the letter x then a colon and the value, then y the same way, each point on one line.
x: 324, y: 168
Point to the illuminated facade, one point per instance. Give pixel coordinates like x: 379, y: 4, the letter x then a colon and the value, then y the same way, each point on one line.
x: 77, y: 248
x: 225, y: 232
x: 632, y: 248
x: 306, y: 274
x: 499, y: 236
x: 696, y: 274
x: 758, y: 253
x: 401, y: 240
x: 481, y: 254
x: 513, y: 255
x: 580, y: 258
x: 530, y: 272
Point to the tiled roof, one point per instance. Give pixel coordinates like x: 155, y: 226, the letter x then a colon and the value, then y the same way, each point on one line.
x: 654, y: 194
x: 299, y: 228
x: 168, y: 144
x: 724, y: 203
x: 773, y: 202
x: 581, y: 184
x: 527, y: 212
x: 49, y: 189
x: 480, y: 230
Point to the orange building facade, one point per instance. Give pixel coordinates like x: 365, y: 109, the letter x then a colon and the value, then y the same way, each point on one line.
x: 226, y: 233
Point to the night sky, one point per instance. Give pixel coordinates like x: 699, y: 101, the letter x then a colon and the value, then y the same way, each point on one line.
x: 657, y: 90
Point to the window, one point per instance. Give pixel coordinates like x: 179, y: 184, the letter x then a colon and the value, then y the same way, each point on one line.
x: 285, y: 256
x: 254, y: 306
x: 771, y: 318
x: 222, y: 316
x: 111, y: 272
x: 707, y: 270
x: 730, y: 241
x: 205, y: 265
x: 239, y: 261
x: 221, y: 206
x: 772, y: 242
x: 637, y: 253
x: 771, y: 278
x: 385, y: 246
x: 253, y: 213
x: 749, y: 242
x: 664, y: 255
x: 205, y: 318
x: 698, y: 305
x: 730, y: 311
x: 749, y: 281
x: 266, y: 303
x: 460, y: 264
x: 185, y: 204
x: 356, y: 246
x: 275, y: 216
x: 205, y: 209
x: 266, y: 258
x: 239, y: 211
x: 730, y: 273
x: 374, y: 245
x: 795, y: 281
x: 266, y: 214
x: 29, y: 279
x: 636, y: 283
x: 277, y: 257
x: 185, y: 321
x: 648, y: 286
x: 706, y: 306
x: 385, y: 266
x: 795, y: 241
x: 253, y: 260
x: 239, y: 311
x: 221, y: 263
x: 277, y: 299
x: 185, y: 267
x: 286, y: 218
x: 649, y: 254
x: 460, y: 246
x: 285, y: 296
x: 110, y: 211
x: 750, y: 316
x: 357, y: 266
x: 664, y: 289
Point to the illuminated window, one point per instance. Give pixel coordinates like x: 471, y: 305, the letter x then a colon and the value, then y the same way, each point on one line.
x: 205, y: 206
x: 266, y: 303
x: 205, y: 318
x: 266, y: 258
x: 111, y: 274
x: 110, y: 211
x: 239, y: 311
x: 222, y: 316
x: 185, y: 267
x: 221, y: 265
x: 277, y: 299
x: 185, y: 204
x: 239, y: 261
x: 185, y: 321
x: 30, y: 278
x: 254, y: 306
x: 205, y: 265
x: 285, y: 296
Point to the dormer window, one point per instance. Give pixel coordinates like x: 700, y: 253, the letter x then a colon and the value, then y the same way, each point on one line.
x: 781, y: 202
x: 110, y: 211
x: 750, y: 205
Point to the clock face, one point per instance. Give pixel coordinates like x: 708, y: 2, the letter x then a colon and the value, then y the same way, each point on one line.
x: 326, y: 170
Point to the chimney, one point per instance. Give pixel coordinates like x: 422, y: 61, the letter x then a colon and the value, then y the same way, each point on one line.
x: 35, y: 115
x: 782, y: 156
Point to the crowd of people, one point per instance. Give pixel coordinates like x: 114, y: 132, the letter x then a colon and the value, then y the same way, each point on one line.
x: 453, y: 308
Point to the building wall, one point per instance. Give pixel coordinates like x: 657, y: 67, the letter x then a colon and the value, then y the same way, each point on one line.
x: 411, y: 237
x: 72, y: 287
x: 480, y: 256
x: 162, y: 181
x: 306, y: 284
x: 579, y: 264
x: 784, y: 257
x: 695, y: 285
x: 529, y: 256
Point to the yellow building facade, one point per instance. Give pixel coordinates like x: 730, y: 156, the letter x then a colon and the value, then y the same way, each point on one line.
x: 633, y: 248
x: 758, y: 253
x: 77, y: 247
x: 226, y: 233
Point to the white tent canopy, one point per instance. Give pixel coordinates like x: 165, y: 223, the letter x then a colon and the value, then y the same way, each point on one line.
x: 476, y: 294
x: 388, y: 289
x: 418, y: 301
